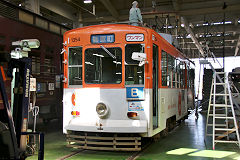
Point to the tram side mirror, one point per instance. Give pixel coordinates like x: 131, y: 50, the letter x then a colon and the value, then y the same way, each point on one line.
x: 137, y: 56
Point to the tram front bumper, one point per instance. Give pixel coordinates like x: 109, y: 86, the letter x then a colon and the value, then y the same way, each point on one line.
x: 113, y: 126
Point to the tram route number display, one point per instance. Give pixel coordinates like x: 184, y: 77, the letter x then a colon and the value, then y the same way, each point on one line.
x: 135, y: 93
x: 134, y: 37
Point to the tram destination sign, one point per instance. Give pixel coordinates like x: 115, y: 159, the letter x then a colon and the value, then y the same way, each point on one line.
x: 102, y: 38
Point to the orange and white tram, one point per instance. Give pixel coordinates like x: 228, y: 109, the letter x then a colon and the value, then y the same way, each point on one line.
x: 122, y: 79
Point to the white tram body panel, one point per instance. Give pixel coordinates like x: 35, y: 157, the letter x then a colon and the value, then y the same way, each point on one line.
x: 117, y: 121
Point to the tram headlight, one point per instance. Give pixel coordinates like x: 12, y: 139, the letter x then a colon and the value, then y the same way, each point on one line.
x: 102, y: 110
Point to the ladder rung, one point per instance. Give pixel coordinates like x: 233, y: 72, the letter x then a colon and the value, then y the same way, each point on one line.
x: 224, y: 117
x: 225, y: 135
x: 222, y: 141
x: 220, y: 94
x: 224, y: 129
x: 220, y: 115
x: 220, y: 83
x: 220, y: 72
x: 221, y: 105
x: 218, y: 125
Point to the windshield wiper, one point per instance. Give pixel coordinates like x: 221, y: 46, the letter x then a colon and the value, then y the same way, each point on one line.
x: 108, y: 52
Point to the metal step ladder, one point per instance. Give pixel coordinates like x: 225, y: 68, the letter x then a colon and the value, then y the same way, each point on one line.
x: 221, y: 112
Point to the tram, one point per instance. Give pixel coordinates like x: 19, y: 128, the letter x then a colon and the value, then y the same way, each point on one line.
x: 121, y: 82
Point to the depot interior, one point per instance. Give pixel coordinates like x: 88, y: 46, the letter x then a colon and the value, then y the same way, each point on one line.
x: 206, y: 32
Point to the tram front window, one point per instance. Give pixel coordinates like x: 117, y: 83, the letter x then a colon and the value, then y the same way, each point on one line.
x: 134, y: 74
x: 75, y: 66
x: 103, y: 65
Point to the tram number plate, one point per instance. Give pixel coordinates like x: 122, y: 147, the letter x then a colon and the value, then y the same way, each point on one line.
x: 134, y: 37
x: 135, y: 106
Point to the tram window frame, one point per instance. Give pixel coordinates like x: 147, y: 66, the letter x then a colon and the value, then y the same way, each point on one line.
x: 74, y: 63
x: 131, y: 66
x: 184, y: 75
x: 99, y: 70
x: 174, y: 73
x: 190, y: 77
x: 181, y: 74
x: 170, y: 70
x: 178, y: 73
x: 164, y: 67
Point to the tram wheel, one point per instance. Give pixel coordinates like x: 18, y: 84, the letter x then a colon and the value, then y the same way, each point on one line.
x: 164, y: 133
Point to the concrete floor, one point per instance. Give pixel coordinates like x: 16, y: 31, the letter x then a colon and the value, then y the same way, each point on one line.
x: 184, y: 142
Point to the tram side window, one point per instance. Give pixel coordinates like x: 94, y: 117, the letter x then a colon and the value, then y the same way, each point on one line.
x: 75, y: 66
x: 170, y: 71
x: 182, y: 74
x: 174, y: 72
x: 178, y: 73
x: 190, y: 77
x: 164, y: 68
x: 134, y: 74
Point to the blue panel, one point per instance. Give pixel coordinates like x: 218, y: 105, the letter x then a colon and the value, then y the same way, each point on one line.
x: 135, y: 93
x: 38, y: 87
x: 103, y: 38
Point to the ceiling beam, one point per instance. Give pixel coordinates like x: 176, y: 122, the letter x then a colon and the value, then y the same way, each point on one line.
x: 212, y: 29
x: 211, y: 44
x: 110, y: 8
x: 217, y: 51
x: 216, y: 17
x: 219, y: 48
x: 191, y: 42
x: 65, y: 10
x: 213, y: 38
x: 209, y: 10
x: 205, y: 4
x: 237, y: 46
x: 104, y: 19
x: 194, y: 39
x: 176, y: 5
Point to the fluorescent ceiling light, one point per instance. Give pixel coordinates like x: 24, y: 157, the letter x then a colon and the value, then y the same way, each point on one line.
x: 87, y: 1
